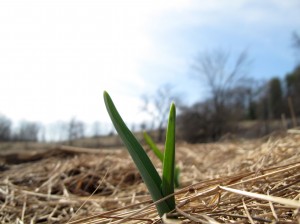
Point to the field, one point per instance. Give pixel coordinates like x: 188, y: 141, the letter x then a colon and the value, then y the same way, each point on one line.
x: 232, y: 181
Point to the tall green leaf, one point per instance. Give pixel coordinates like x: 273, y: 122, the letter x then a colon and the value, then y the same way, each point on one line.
x: 169, y: 159
x: 146, y: 168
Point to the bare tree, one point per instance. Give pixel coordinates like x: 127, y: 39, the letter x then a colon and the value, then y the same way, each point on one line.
x: 275, y: 98
x: 75, y: 130
x: 296, y: 46
x: 28, y: 131
x: 42, y: 133
x: 96, y: 129
x: 157, y: 106
x: 222, y: 75
x: 194, y: 123
x: 5, y: 128
x: 214, y: 68
x: 57, y: 131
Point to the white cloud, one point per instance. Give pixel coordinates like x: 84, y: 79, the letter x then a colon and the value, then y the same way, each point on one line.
x: 56, y: 57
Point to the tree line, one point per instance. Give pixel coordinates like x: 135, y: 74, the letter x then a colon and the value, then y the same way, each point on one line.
x: 227, y: 108
x: 233, y: 97
x: 29, y: 131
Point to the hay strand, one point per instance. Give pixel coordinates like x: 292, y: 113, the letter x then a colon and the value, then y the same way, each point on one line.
x: 254, y: 181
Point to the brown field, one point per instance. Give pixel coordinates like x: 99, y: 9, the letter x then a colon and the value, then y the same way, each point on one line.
x: 42, y: 183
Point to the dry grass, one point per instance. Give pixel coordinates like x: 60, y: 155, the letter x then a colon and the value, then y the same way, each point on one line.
x: 227, y: 182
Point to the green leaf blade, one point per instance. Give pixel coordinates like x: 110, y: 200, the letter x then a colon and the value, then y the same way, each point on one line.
x: 160, y: 156
x: 177, y: 174
x: 153, y: 146
x: 147, y: 170
x: 169, y: 159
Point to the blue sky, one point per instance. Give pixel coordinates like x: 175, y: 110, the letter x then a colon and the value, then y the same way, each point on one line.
x: 57, y: 57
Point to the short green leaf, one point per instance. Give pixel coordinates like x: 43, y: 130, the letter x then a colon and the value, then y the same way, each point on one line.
x: 153, y: 146
x: 177, y: 174
x: 160, y: 156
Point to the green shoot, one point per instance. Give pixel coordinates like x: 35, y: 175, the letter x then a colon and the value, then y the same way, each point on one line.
x: 177, y: 174
x: 160, y: 156
x: 169, y: 158
x: 153, y: 146
x: 157, y: 187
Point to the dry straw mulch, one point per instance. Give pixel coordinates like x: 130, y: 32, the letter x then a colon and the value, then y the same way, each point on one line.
x: 226, y: 182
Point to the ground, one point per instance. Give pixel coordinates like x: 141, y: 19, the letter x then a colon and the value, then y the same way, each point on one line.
x: 63, y: 184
